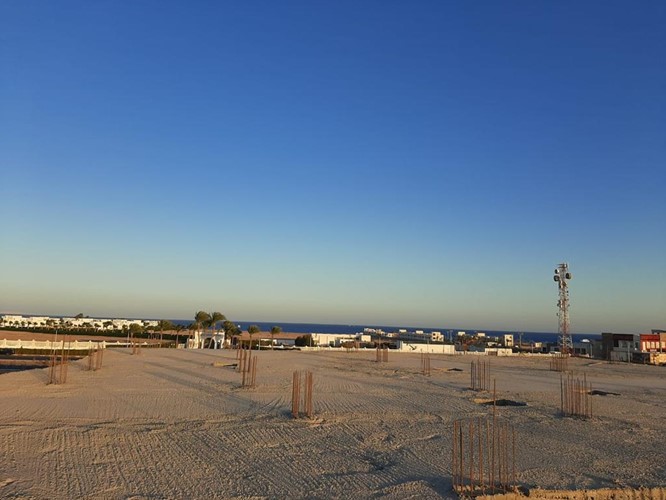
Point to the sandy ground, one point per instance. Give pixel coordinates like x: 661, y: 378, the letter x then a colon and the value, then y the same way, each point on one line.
x: 169, y: 424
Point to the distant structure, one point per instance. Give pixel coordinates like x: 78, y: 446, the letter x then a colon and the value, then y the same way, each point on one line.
x: 562, y: 277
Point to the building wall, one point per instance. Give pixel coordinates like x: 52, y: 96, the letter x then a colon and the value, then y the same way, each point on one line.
x: 652, y: 342
x: 430, y: 348
x: 326, y: 339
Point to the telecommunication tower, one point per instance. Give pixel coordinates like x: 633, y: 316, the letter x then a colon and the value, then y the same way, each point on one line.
x: 562, y: 277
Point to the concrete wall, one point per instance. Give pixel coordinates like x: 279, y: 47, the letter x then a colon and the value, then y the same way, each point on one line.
x: 430, y: 348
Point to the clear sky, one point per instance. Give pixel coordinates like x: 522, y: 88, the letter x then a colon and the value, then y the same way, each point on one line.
x: 375, y: 162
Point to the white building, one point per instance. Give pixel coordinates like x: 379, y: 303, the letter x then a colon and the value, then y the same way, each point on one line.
x: 96, y: 323
x: 198, y: 340
x: 336, y: 339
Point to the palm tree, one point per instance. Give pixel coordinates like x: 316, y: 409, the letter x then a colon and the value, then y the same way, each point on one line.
x: 215, y: 318
x: 179, y: 328
x: 165, y: 324
x: 191, y: 329
x: 230, y: 330
x: 276, y: 330
x: 201, y: 318
x: 211, y: 322
x: 252, y: 329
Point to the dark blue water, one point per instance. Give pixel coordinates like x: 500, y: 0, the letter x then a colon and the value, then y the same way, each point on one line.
x: 349, y: 329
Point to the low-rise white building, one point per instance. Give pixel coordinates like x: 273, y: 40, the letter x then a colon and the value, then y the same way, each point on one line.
x: 336, y: 339
x: 15, y: 320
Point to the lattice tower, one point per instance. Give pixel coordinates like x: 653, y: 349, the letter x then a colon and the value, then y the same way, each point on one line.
x: 562, y: 277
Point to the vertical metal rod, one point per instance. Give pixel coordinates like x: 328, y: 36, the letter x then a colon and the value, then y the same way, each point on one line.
x: 561, y: 394
x: 513, y: 453
x: 480, y: 454
x: 488, y: 448
x: 293, y: 390
x: 62, y: 362
x: 462, y: 458
x: 471, y: 455
x: 506, y: 455
x: 454, y: 470
x: 295, y: 394
x: 494, y: 400
x: 311, y: 391
x: 501, y: 451
x: 492, y: 454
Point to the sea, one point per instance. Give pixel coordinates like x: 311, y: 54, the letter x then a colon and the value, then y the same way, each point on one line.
x: 304, y: 328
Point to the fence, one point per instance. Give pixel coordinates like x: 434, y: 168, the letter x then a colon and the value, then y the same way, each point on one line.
x: 72, y: 345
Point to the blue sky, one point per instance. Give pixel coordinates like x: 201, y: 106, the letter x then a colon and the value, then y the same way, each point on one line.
x: 421, y: 163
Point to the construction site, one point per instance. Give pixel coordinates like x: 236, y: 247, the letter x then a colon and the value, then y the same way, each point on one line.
x: 352, y: 423
x: 170, y: 423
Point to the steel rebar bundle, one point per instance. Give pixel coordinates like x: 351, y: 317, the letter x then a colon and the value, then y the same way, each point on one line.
x: 382, y: 354
x: 58, y: 366
x: 307, y: 396
x: 95, y: 355
x: 247, y: 365
x: 425, y: 364
x: 100, y: 358
x: 136, y: 345
x: 242, y: 359
x: 483, y: 456
x: 575, y: 397
x: 308, y: 408
x: 295, y: 394
x: 559, y: 362
x: 480, y: 375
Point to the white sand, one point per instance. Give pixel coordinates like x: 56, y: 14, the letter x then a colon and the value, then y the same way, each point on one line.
x: 169, y: 424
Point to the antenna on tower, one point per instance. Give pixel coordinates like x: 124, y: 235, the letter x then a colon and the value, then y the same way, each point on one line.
x: 562, y: 277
